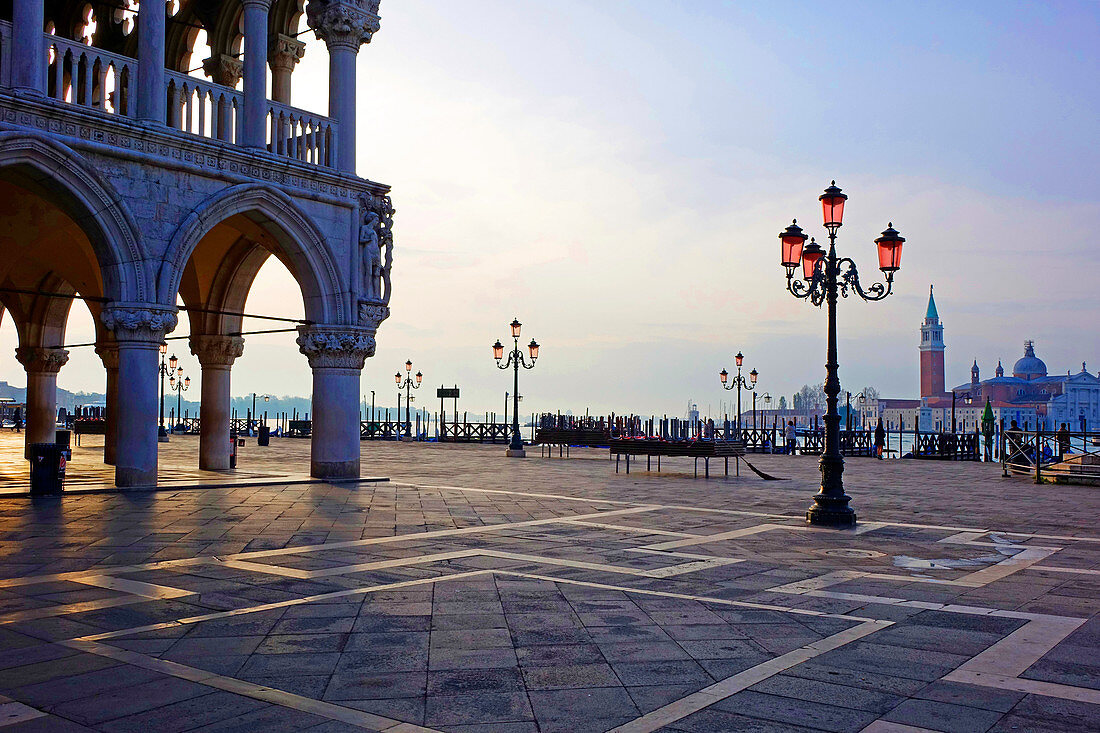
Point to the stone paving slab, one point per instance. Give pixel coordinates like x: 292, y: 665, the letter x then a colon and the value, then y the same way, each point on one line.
x: 474, y: 593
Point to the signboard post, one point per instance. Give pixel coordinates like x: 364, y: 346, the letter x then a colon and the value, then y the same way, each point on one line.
x: 447, y: 393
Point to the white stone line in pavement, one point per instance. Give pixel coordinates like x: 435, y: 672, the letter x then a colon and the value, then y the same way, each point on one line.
x: 1006, y: 567
x: 707, y: 696
x: 628, y: 528
x: 885, y: 726
x: 31, y: 614
x: 707, y: 539
x: 1076, y: 571
x: 358, y: 718
x: 1001, y: 665
x: 133, y: 587
x: 12, y: 712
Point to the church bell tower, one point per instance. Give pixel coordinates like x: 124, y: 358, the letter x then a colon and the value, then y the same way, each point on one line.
x: 931, y: 352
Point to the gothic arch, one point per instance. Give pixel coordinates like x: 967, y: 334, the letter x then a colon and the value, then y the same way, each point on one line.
x: 65, y: 178
x: 298, y: 244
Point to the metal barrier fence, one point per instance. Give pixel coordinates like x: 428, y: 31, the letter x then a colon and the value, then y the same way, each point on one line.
x: 1062, y: 456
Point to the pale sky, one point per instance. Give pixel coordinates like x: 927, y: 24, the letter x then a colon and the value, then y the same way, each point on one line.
x: 615, y: 175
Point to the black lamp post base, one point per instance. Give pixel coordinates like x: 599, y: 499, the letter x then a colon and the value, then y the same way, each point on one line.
x: 839, y: 515
x: 516, y: 453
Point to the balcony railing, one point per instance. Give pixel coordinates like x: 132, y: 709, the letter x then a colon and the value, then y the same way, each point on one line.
x: 99, y: 80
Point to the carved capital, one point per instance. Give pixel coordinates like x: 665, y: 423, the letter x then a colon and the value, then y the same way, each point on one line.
x: 216, y: 350
x: 347, y: 23
x: 108, y: 354
x: 224, y: 69
x: 40, y: 360
x: 372, y: 313
x: 285, y: 52
x: 336, y: 347
x: 138, y: 321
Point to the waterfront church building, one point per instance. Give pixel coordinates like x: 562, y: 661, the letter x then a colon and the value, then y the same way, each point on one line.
x: 1030, y: 396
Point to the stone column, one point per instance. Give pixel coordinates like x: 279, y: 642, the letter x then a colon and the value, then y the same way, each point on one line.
x: 225, y: 70
x: 285, y: 54
x: 255, y: 72
x: 42, y: 366
x: 28, y: 52
x: 108, y: 353
x: 151, y: 92
x: 138, y: 329
x: 216, y: 355
x: 343, y: 25
x: 336, y: 355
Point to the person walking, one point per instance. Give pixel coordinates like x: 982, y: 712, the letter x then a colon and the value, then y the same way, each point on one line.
x: 1063, y: 442
x: 880, y: 439
x: 19, y: 419
x: 792, y: 438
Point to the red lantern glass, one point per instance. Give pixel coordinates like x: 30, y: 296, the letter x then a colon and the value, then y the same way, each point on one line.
x: 724, y: 376
x: 498, y: 350
x: 515, y: 328
x: 832, y: 206
x: 397, y: 378
x: 889, y: 249
x: 533, y: 349
x: 811, y: 255
x: 419, y: 378
x: 740, y: 358
x: 792, y: 240
x: 172, y: 361
x: 187, y: 382
x: 753, y: 375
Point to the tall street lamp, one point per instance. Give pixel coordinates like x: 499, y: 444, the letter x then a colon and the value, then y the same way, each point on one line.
x: 515, y: 360
x: 767, y: 405
x: 162, y: 434
x: 267, y: 398
x: 967, y: 399
x: 178, y: 384
x: 824, y: 277
x: 407, y: 385
x: 739, y: 383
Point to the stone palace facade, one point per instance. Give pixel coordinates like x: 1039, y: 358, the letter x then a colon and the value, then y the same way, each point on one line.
x: 124, y: 181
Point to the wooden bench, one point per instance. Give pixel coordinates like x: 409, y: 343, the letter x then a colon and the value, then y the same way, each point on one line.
x: 547, y: 438
x: 705, y: 449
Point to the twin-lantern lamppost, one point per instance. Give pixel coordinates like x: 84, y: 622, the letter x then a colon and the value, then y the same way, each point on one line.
x: 178, y: 384
x: 824, y: 277
x: 739, y: 383
x: 162, y: 434
x: 515, y: 360
x: 407, y: 385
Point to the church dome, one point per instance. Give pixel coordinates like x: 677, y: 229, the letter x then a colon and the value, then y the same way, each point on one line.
x: 1029, y: 366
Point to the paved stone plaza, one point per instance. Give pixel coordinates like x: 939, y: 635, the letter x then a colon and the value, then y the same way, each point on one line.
x: 476, y: 593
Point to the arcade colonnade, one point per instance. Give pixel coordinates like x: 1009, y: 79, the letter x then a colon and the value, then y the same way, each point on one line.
x: 127, y: 211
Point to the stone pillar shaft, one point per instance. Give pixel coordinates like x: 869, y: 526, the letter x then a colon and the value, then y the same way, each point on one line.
x: 138, y: 329
x: 151, y: 92
x: 28, y: 57
x: 255, y: 73
x: 109, y: 355
x: 286, y: 52
x: 216, y: 355
x: 341, y: 102
x: 336, y: 355
x: 42, y: 366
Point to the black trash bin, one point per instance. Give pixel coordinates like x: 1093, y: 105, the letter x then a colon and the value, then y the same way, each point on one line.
x: 264, y: 436
x: 47, y: 468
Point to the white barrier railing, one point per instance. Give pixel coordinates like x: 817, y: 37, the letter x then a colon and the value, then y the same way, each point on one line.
x: 90, y: 77
x: 301, y: 135
x: 203, y: 108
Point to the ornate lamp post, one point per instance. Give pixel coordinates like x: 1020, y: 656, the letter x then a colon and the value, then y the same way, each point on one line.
x: 408, y: 385
x: 178, y: 384
x: 966, y: 399
x: 162, y: 434
x: 255, y: 417
x: 825, y: 277
x: 739, y: 383
x: 515, y: 360
x: 862, y: 400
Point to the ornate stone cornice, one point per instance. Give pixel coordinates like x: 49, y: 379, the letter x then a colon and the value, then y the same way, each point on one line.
x: 138, y: 321
x: 285, y: 52
x: 108, y: 354
x: 336, y: 347
x: 216, y: 350
x: 224, y: 69
x: 39, y: 360
x: 347, y: 23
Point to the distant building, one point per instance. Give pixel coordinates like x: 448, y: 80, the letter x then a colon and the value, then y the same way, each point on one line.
x: 1030, y: 396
